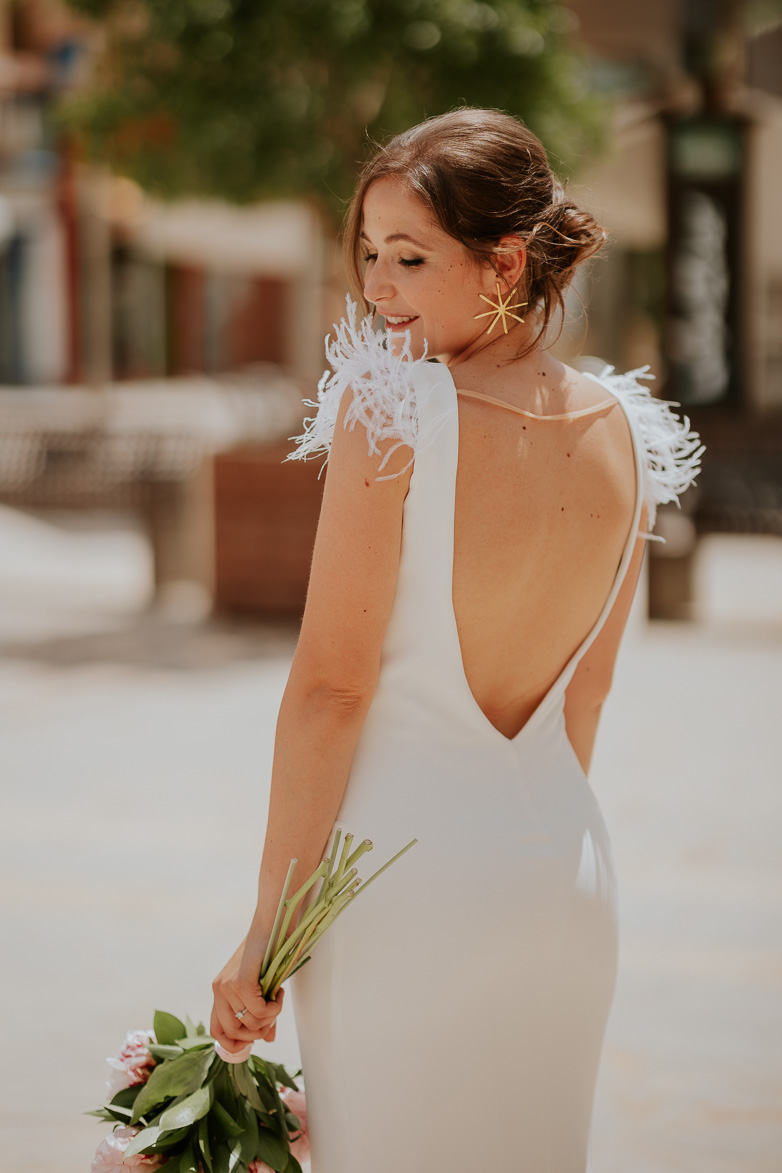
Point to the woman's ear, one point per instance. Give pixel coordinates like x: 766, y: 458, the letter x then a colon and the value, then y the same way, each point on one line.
x: 510, y: 259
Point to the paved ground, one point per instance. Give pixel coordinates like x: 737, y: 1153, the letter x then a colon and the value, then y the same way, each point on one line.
x: 134, y: 759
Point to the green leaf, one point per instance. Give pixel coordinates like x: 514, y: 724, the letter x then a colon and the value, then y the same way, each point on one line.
x: 187, y: 1162
x: 145, y: 1140
x: 123, y: 1115
x: 192, y: 1108
x: 221, y: 1156
x: 170, y: 1140
x: 293, y: 1165
x: 102, y: 1114
x: 265, y: 1083
x: 248, y: 1141
x: 169, y: 1051
x: 174, y: 1077
x: 235, y: 1164
x: 190, y: 1027
x: 272, y: 1149
x: 283, y: 1077
x: 267, y: 1090
x: 125, y: 1097
x: 203, y: 1143
x: 167, y: 1027
x: 292, y: 1121
x: 119, y: 1107
x: 196, y: 1041
x: 223, y: 1121
x: 247, y: 1086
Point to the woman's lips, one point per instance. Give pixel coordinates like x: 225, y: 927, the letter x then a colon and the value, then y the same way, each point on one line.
x: 398, y: 324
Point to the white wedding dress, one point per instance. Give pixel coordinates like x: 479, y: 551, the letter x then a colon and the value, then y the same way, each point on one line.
x: 452, y: 1021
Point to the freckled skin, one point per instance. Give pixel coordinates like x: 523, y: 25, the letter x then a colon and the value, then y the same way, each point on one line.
x: 433, y: 290
x: 430, y: 276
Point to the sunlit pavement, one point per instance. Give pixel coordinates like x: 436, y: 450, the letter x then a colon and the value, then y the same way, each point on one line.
x: 135, y: 757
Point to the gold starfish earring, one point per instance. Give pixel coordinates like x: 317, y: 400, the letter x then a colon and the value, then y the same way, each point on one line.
x: 501, y: 310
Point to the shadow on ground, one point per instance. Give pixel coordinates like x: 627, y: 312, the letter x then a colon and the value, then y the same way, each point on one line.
x: 150, y: 641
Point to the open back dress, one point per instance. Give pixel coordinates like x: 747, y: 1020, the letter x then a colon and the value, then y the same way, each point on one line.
x: 453, y: 1020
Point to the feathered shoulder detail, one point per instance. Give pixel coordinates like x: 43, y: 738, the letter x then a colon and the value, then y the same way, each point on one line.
x: 383, y: 385
x: 673, y: 451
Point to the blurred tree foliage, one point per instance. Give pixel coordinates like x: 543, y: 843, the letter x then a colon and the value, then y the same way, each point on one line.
x: 244, y: 99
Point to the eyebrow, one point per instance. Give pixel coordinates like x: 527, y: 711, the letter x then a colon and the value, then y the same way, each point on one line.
x: 398, y: 236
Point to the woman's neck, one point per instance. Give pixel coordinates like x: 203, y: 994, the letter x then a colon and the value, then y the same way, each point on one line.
x: 500, y: 368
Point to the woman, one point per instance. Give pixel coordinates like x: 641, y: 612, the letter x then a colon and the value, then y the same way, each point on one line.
x: 480, y: 540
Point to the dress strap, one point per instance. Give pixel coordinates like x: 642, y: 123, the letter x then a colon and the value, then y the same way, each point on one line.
x: 564, y: 415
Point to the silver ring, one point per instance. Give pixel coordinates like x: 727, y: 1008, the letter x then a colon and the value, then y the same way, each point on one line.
x: 241, y: 1013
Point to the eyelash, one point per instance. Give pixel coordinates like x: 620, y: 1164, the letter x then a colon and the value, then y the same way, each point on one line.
x: 408, y: 264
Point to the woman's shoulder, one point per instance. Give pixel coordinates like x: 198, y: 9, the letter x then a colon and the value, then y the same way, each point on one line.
x: 669, y: 449
x: 382, y: 386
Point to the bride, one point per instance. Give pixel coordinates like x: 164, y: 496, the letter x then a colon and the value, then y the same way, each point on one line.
x: 480, y: 541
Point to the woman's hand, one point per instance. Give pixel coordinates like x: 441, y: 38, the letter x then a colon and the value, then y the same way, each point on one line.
x: 237, y: 988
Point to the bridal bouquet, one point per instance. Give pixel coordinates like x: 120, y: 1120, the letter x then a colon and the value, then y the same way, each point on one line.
x: 179, y: 1101
x: 177, y: 1104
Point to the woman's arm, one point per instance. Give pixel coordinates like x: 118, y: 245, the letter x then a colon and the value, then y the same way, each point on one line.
x: 331, y: 684
x: 592, y: 679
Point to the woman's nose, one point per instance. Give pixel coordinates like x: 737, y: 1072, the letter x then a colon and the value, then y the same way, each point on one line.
x: 376, y: 284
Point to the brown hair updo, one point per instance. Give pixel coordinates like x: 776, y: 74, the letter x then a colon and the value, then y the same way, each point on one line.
x: 483, y: 176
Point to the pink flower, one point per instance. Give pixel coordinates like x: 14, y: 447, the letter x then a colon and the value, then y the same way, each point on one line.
x: 111, y: 1152
x: 258, y: 1167
x: 300, y: 1141
x: 133, y: 1064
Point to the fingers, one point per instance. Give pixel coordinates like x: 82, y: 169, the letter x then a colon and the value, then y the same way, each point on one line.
x: 243, y: 1015
x: 258, y: 1021
x: 230, y: 1026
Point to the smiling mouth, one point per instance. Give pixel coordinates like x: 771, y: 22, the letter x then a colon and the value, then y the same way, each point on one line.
x: 395, y: 322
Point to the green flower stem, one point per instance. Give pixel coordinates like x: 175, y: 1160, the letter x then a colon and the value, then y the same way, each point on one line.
x: 380, y: 871
x: 335, y: 908
x: 282, y: 967
x: 288, y: 951
x: 293, y: 960
x: 343, y: 859
x: 278, y: 915
x: 290, y: 942
x: 302, y: 953
x: 303, y: 962
x: 362, y: 848
x: 311, y: 932
x: 292, y: 903
x: 345, y: 898
x: 346, y: 879
x: 293, y: 947
x: 333, y: 855
x: 332, y: 858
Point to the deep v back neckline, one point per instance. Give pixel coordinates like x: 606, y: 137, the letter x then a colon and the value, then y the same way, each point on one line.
x: 563, y: 678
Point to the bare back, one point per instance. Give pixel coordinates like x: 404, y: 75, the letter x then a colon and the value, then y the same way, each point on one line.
x: 542, y: 515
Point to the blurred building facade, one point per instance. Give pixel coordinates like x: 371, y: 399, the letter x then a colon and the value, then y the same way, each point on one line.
x: 689, y: 192
x: 100, y: 285
x: 97, y: 282
x: 692, y: 280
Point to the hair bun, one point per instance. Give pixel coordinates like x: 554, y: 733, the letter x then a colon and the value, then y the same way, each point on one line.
x: 563, y: 237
